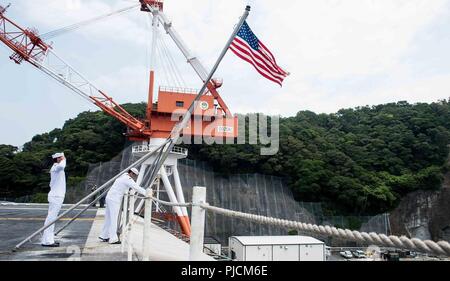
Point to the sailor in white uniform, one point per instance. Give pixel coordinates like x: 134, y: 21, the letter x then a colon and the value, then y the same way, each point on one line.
x: 113, y: 201
x: 55, y: 198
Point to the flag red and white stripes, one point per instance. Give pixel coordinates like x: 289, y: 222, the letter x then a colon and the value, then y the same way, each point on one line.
x: 248, y: 47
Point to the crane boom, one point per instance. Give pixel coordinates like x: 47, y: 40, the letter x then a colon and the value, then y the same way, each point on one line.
x: 28, y: 46
x: 202, y: 72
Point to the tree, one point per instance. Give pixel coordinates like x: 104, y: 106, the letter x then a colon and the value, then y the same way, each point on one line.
x: 356, y: 161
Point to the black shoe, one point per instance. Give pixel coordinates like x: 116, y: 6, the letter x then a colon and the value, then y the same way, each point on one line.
x: 54, y: 245
x: 104, y: 240
x: 116, y: 243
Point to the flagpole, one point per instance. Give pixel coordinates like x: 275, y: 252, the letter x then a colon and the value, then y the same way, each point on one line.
x: 176, y: 132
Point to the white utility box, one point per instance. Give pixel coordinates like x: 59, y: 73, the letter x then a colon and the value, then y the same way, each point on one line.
x: 276, y: 248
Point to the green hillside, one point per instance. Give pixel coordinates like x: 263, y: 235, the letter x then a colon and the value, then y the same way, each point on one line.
x: 358, y: 161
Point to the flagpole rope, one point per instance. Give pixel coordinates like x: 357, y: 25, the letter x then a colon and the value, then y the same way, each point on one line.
x: 164, y: 202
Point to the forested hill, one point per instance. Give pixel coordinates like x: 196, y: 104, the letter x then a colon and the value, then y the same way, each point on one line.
x: 358, y: 161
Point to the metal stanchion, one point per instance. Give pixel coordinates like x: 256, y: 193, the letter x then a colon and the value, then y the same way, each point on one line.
x: 130, y: 217
x: 124, y: 219
x: 147, y: 225
x: 198, y: 224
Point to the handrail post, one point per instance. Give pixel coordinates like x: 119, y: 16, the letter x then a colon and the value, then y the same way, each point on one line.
x: 130, y: 218
x: 198, y: 224
x: 124, y: 219
x: 147, y: 225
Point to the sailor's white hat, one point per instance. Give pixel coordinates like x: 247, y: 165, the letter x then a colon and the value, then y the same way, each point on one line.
x: 57, y: 155
x: 135, y: 171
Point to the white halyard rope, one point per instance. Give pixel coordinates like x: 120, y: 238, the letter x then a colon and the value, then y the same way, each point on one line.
x: 164, y: 202
x: 171, y: 204
x: 441, y: 248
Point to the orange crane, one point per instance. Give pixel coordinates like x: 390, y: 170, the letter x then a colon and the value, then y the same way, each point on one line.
x: 215, y: 118
x: 28, y: 46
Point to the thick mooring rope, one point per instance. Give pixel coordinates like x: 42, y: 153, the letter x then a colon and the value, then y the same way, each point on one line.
x: 441, y: 248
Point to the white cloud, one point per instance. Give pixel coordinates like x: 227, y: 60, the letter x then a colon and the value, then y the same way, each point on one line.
x: 326, y: 42
x: 421, y: 90
x: 128, y: 84
x: 128, y: 27
x: 335, y: 39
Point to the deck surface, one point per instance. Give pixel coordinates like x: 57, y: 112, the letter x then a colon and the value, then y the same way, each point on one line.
x: 79, y: 242
x: 17, y: 221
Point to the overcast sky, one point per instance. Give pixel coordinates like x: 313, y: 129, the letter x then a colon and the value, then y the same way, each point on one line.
x: 341, y: 53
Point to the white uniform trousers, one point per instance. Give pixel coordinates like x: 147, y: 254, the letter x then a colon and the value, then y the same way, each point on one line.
x: 54, y: 206
x: 111, y: 218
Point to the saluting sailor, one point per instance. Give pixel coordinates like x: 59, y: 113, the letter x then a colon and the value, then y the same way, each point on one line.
x: 113, y: 201
x: 55, y: 197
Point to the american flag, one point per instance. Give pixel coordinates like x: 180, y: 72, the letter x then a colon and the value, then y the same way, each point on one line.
x: 248, y: 47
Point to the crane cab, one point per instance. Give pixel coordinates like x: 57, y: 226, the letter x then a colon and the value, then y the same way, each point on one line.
x: 208, y: 120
